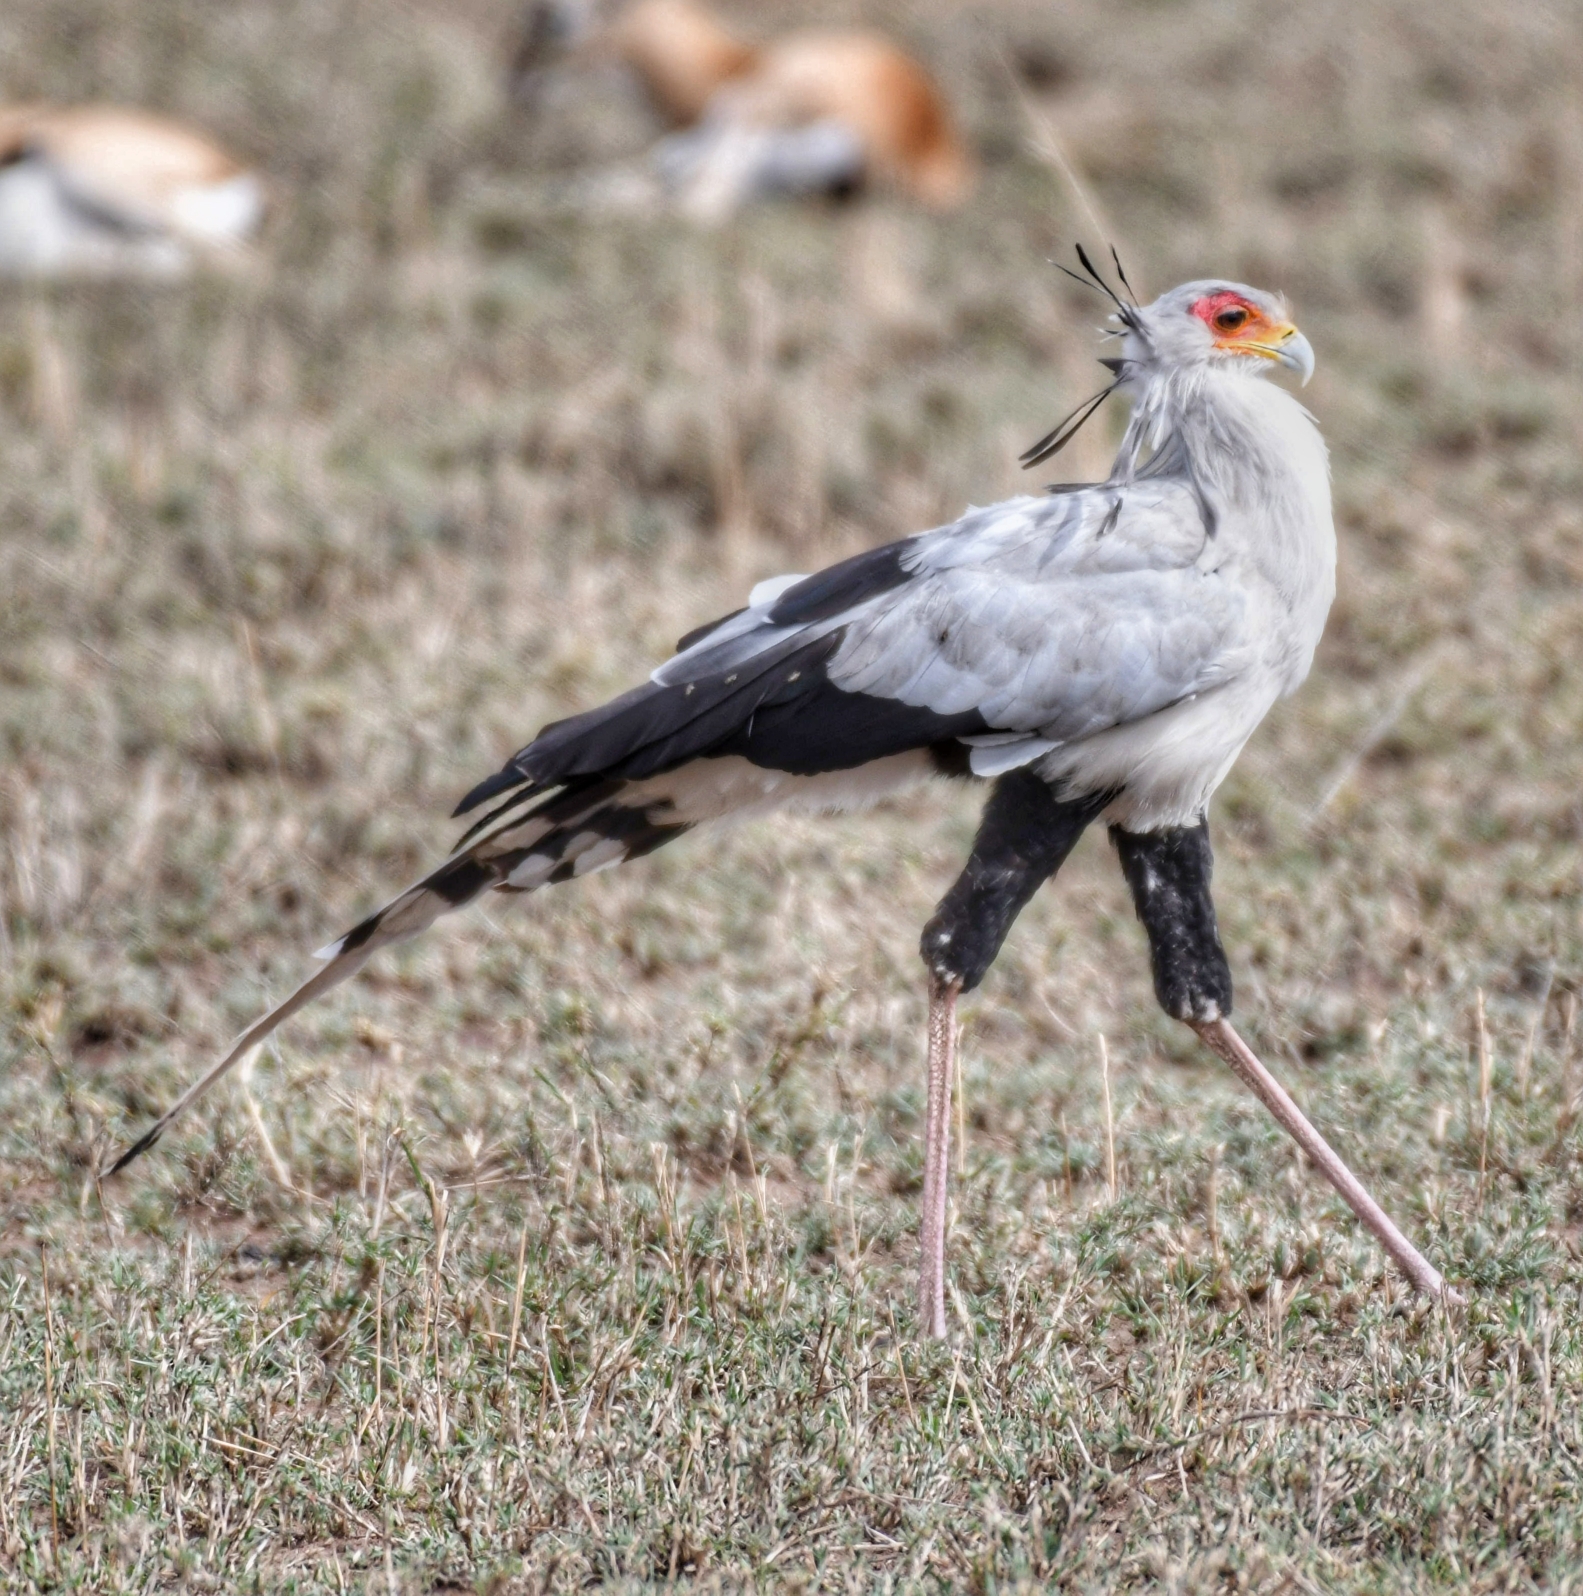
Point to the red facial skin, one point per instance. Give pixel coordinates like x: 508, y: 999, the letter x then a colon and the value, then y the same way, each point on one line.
x: 1213, y: 305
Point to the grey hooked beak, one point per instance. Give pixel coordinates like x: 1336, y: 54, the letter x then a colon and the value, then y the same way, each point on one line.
x: 1296, y: 353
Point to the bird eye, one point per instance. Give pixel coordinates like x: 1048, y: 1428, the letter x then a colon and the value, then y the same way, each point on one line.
x: 1231, y: 318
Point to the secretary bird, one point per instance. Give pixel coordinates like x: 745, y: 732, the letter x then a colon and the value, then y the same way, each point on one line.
x: 1101, y: 652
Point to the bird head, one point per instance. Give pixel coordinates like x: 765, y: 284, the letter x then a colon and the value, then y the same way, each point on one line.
x: 1213, y: 323
x: 1197, y: 326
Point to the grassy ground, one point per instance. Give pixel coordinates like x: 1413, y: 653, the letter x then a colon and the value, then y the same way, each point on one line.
x: 574, y: 1244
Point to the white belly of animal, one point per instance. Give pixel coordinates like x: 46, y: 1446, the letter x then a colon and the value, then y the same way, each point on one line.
x: 50, y: 227
x: 1170, y: 763
x: 219, y: 213
x: 45, y: 232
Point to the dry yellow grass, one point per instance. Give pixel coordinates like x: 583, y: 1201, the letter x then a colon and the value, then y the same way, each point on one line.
x: 574, y: 1243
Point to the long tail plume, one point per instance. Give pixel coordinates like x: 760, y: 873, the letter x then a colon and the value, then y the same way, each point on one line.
x: 459, y: 880
x: 570, y: 833
x: 339, y: 969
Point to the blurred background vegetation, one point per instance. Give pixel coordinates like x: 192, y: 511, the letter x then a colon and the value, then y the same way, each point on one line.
x: 573, y: 1244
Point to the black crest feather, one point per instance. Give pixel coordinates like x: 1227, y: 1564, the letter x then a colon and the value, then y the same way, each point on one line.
x: 1072, y: 423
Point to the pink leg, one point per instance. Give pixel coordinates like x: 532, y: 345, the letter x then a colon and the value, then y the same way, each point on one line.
x: 1223, y: 1040
x: 937, y: 1154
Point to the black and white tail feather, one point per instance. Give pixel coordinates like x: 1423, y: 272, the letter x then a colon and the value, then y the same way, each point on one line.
x: 1023, y: 634
x: 613, y: 784
x: 559, y: 834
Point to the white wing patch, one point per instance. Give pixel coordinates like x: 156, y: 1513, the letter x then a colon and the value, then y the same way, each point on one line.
x: 994, y: 756
x: 764, y: 595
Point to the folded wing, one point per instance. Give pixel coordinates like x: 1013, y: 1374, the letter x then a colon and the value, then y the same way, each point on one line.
x: 1041, y: 620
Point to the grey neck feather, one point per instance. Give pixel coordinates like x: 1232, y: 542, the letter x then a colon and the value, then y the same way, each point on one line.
x: 1184, y: 425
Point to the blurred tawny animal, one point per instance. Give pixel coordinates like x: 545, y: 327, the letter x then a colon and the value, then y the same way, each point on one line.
x: 1102, y: 652
x: 811, y: 111
x: 98, y: 190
